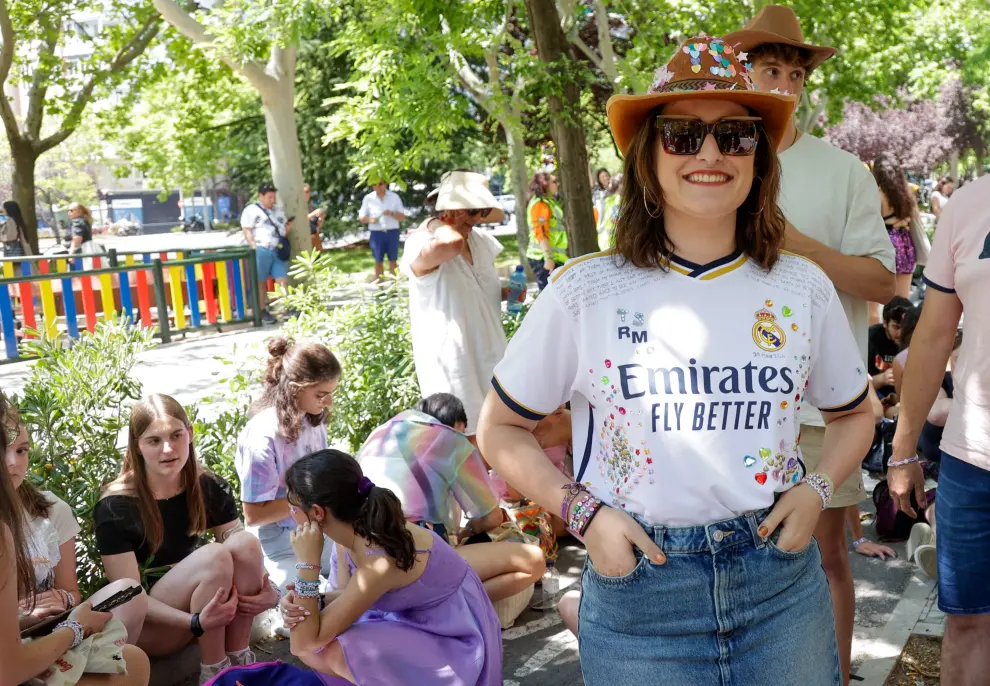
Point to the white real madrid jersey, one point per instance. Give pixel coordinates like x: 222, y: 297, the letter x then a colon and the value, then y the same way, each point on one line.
x: 685, y: 385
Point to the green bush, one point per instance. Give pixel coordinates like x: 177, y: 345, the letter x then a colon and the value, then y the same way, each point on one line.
x: 76, y: 404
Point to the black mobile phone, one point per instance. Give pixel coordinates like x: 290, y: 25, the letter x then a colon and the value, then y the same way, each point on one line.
x: 118, y: 599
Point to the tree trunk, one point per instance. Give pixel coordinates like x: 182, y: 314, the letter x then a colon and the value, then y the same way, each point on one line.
x: 283, y: 148
x: 567, y: 130
x: 25, y: 160
x: 520, y: 188
x: 207, y: 222
x: 954, y: 166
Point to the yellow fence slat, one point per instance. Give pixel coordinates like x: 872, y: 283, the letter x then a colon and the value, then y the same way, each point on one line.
x: 106, y: 295
x: 224, y: 291
x: 48, y: 312
x: 175, y: 283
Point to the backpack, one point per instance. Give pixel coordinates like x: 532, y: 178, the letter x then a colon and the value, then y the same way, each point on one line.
x: 265, y: 673
x: 9, y: 233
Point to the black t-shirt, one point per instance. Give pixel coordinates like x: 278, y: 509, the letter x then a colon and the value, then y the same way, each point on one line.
x: 80, y: 227
x: 882, y: 352
x: 117, y: 521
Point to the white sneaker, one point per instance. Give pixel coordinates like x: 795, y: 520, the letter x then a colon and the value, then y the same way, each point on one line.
x: 926, y: 557
x: 207, y: 672
x: 242, y: 659
x: 921, y: 534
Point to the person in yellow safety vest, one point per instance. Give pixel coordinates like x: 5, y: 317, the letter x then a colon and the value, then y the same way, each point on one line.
x: 610, y: 214
x: 547, y: 236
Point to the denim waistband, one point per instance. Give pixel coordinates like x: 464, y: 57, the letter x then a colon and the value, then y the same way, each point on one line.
x: 710, y: 538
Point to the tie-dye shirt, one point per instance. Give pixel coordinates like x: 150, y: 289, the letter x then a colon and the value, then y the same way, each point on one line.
x: 425, y: 462
x: 263, y: 456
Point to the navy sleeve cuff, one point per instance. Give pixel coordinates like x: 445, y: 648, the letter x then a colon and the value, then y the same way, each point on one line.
x: 934, y: 285
x: 514, y: 404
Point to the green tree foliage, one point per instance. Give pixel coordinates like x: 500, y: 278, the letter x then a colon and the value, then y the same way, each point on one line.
x: 40, y: 42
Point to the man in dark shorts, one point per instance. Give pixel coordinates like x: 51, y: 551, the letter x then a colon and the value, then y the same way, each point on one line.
x: 382, y: 211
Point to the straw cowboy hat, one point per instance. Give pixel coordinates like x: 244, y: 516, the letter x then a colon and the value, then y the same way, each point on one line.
x: 460, y: 190
x: 776, y: 24
x: 703, y: 68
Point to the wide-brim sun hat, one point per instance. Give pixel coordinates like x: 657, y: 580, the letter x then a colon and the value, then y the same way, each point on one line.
x: 776, y: 24
x: 703, y: 68
x: 460, y: 190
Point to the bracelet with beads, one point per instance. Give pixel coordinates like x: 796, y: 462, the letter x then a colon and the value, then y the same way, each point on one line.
x: 822, y: 485
x: 901, y: 463
x: 77, y: 631
x: 574, y: 489
x: 307, y: 589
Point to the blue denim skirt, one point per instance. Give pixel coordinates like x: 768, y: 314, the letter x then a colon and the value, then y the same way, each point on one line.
x: 962, y: 509
x: 727, y: 609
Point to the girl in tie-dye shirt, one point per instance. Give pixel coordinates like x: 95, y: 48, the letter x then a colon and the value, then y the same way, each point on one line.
x: 289, y: 423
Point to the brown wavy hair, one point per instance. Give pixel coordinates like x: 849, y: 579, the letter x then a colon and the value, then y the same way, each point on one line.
x: 330, y: 478
x: 640, y: 235
x: 292, y: 367
x: 891, y: 179
x: 34, y: 502
x: 12, y: 516
x: 133, y: 479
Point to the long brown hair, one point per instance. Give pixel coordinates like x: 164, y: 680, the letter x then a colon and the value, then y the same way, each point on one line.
x: 133, y: 479
x: 292, y: 367
x: 891, y: 179
x: 640, y: 235
x: 12, y: 516
x: 34, y: 502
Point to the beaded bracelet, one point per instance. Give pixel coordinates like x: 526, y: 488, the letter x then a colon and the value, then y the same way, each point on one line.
x: 822, y: 484
x: 901, y: 463
x: 278, y: 592
x: 307, y: 589
x: 581, y: 514
x: 573, y: 489
x: 77, y: 631
x: 306, y: 565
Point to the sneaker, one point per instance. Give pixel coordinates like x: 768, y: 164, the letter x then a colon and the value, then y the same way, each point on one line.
x: 927, y: 558
x: 267, y: 318
x: 242, y: 658
x: 207, y: 672
x: 921, y: 534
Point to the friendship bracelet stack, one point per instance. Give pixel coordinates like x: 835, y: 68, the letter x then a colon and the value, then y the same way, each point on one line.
x: 307, y: 589
x: 77, y: 631
x: 822, y: 483
x: 901, y: 463
x: 578, y: 508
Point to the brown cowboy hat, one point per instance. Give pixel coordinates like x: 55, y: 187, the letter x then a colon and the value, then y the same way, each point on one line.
x: 703, y: 68
x: 776, y: 24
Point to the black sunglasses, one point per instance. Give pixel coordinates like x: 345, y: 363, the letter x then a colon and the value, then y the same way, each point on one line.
x: 484, y: 213
x: 735, y: 136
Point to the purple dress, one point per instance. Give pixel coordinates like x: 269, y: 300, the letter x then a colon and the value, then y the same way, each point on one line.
x: 440, y: 630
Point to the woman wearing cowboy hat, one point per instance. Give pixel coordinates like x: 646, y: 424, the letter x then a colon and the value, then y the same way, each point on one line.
x: 686, y: 353
x: 455, y: 293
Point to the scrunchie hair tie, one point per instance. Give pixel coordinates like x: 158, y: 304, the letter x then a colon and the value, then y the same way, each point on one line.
x: 365, y: 485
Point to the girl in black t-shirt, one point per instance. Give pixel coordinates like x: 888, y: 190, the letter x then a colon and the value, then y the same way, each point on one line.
x: 153, y: 515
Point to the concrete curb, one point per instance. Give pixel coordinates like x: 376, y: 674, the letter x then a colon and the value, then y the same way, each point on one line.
x: 890, y: 641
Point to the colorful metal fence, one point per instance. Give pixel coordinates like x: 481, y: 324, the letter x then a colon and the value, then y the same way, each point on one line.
x: 174, y: 293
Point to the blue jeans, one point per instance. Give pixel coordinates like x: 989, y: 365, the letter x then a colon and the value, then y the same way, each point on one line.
x: 962, y: 506
x: 540, y: 272
x: 727, y: 609
x: 385, y: 244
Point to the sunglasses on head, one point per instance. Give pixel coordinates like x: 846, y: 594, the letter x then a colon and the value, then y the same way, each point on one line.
x: 735, y: 136
x: 484, y: 213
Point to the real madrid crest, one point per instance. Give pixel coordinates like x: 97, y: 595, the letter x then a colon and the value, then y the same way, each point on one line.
x: 766, y: 333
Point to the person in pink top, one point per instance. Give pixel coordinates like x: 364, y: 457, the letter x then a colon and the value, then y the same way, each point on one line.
x: 958, y: 278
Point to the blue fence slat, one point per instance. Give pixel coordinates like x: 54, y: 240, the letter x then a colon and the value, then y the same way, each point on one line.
x: 234, y: 268
x: 69, y: 304
x: 126, y: 302
x: 7, y: 323
x: 193, y: 294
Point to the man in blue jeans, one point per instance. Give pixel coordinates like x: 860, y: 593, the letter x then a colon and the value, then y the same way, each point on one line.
x: 382, y: 210
x: 263, y: 226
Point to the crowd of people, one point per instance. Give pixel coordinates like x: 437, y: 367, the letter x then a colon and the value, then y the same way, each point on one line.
x: 692, y: 405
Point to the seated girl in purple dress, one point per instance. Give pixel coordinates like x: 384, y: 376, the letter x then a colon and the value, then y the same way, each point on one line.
x: 413, y: 611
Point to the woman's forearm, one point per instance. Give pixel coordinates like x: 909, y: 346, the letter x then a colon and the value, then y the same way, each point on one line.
x: 40, y: 654
x: 162, y: 613
x: 847, y: 440
x: 303, y: 637
x: 517, y: 457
